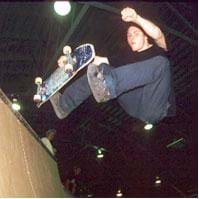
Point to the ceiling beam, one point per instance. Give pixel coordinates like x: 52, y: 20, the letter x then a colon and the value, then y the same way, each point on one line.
x: 181, y: 17
x: 14, y: 58
x: 155, y: 158
x: 180, y: 35
x: 102, y: 6
x: 117, y: 11
x: 68, y: 35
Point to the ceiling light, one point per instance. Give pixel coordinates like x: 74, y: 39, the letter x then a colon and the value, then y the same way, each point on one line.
x: 157, y: 181
x: 119, y: 193
x: 99, y: 153
x: 62, y: 7
x: 148, y: 126
x: 15, y: 105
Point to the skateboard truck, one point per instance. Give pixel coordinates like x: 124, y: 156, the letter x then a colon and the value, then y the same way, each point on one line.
x: 38, y: 82
x: 70, y: 62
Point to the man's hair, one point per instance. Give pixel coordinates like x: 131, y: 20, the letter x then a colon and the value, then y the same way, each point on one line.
x: 50, y: 131
x: 135, y: 25
x: 150, y: 40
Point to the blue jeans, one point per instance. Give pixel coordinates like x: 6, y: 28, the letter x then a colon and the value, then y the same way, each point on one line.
x: 142, y: 89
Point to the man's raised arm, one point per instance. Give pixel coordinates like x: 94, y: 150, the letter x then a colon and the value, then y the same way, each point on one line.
x: 152, y: 30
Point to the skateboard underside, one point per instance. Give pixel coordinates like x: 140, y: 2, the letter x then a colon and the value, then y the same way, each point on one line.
x: 83, y: 55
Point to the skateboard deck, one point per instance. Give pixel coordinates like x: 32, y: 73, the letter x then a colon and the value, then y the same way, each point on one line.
x: 79, y: 59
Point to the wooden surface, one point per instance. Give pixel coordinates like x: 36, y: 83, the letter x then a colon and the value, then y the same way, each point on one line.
x: 26, y: 168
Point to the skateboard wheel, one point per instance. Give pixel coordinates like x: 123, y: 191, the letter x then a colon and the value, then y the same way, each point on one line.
x: 38, y: 80
x: 67, y: 50
x: 37, y: 98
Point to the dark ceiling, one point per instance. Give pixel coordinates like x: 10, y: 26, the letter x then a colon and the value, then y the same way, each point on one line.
x: 32, y: 37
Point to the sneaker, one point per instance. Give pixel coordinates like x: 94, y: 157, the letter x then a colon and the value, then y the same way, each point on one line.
x: 56, y: 106
x: 101, y: 82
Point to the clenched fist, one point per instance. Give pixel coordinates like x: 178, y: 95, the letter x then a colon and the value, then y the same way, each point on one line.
x: 129, y: 15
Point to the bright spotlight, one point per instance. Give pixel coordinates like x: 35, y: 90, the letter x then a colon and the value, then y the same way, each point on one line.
x: 148, y: 126
x: 62, y: 7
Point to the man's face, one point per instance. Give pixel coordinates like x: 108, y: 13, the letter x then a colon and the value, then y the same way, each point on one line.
x: 135, y: 38
x: 51, y: 135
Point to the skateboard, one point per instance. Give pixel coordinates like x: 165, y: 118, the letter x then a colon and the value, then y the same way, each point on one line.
x: 76, y: 60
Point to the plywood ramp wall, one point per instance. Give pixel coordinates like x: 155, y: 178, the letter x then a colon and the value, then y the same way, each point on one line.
x: 26, y: 169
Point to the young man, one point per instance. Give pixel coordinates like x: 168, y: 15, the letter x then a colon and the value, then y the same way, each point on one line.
x: 142, y: 86
x: 50, y: 135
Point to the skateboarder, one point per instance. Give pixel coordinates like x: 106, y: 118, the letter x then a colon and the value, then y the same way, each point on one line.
x: 142, y: 86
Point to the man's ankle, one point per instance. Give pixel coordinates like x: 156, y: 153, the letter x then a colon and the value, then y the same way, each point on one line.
x: 61, y: 114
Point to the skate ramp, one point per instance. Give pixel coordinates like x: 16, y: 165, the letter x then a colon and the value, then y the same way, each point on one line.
x: 26, y: 168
